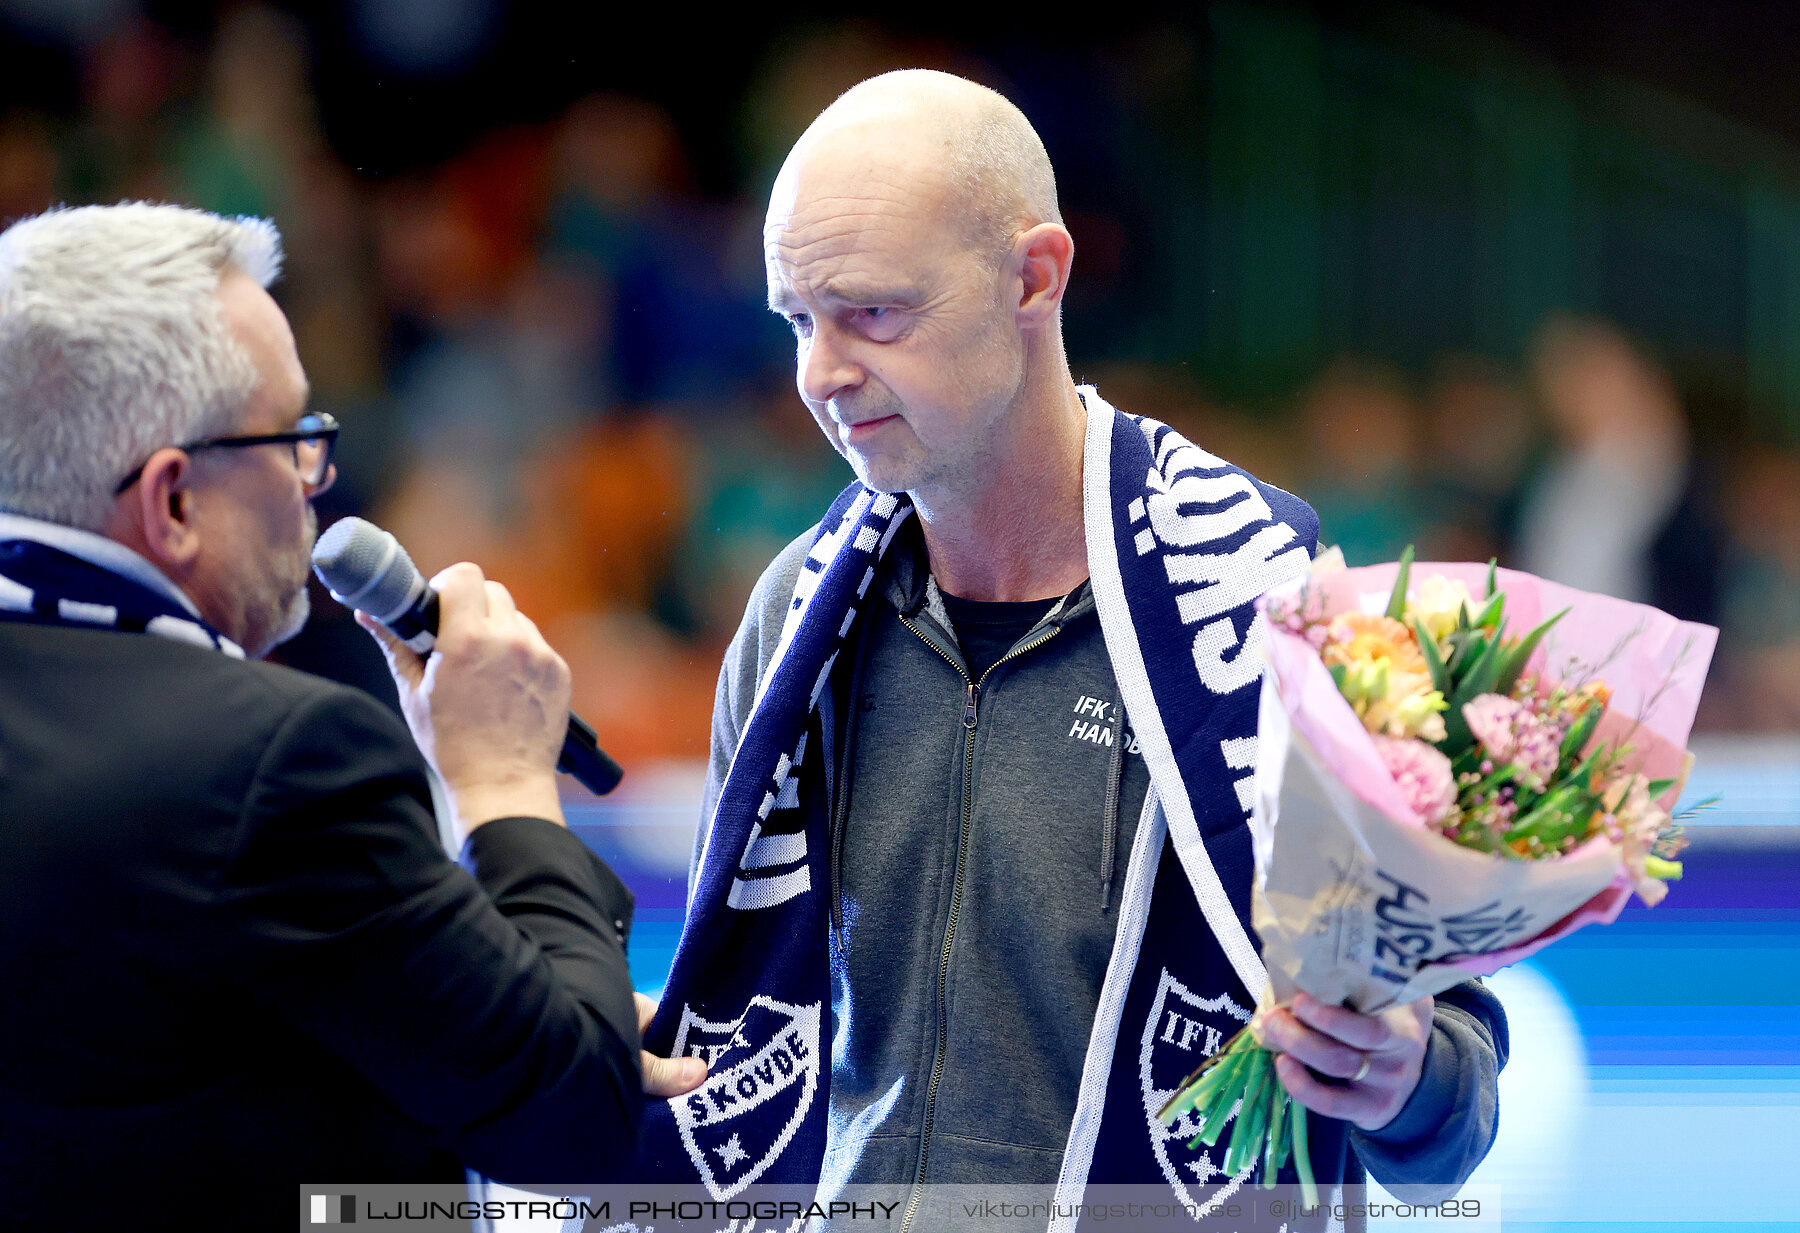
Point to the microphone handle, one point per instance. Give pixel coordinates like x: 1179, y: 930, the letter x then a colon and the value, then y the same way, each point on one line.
x: 416, y: 625
x: 581, y: 757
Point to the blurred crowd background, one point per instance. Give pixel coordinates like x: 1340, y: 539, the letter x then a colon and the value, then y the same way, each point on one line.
x: 1513, y: 279
x: 1455, y: 284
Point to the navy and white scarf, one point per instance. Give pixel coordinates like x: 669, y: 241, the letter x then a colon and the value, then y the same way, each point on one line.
x: 57, y: 575
x: 1180, y: 544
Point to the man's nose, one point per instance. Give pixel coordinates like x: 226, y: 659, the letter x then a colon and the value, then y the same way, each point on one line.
x: 826, y: 370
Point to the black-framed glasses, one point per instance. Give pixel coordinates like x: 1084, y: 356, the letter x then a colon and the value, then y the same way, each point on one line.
x: 314, y: 441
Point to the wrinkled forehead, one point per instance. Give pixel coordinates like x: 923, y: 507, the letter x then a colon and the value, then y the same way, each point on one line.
x: 862, y: 195
x: 884, y: 155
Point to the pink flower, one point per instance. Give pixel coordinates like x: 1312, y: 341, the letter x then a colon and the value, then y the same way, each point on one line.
x: 1422, y: 774
x: 1490, y: 718
x: 1515, y: 733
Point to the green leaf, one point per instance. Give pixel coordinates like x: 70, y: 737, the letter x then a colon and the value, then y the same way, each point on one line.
x: 1397, y: 600
x: 1338, y: 672
x: 1501, y: 775
x: 1476, y: 837
x: 1576, y: 738
x: 1191, y: 1092
x: 1248, y: 1089
x: 1520, y: 652
x: 1493, y: 565
x: 1440, y: 675
x: 1667, y: 871
x: 1562, y: 813
x: 1480, y: 677
x: 1699, y: 807
x: 1491, y: 613
x: 1657, y: 787
x: 1458, y: 740
x: 1470, y: 645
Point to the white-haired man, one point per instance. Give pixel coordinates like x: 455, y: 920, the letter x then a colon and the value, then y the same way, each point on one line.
x: 926, y: 807
x: 238, y: 958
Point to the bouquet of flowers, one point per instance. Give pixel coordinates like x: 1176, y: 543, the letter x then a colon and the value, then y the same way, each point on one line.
x: 1451, y: 775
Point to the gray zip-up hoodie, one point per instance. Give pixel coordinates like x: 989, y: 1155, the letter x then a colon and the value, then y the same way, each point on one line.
x: 979, y: 837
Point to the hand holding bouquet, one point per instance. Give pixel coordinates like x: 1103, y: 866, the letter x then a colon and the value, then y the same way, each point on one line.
x: 1450, y: 776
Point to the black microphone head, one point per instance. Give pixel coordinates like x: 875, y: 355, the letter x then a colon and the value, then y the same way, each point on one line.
x: 365, y: 567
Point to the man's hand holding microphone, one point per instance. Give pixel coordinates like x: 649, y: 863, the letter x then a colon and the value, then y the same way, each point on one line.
x: 487, y: 701
x: 487, y: 705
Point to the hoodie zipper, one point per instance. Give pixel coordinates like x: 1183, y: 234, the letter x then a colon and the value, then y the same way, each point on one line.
x: 970, y: 717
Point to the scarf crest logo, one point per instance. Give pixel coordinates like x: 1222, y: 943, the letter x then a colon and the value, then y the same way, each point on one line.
x: 1182, y: 1030
x: 768, y: 1056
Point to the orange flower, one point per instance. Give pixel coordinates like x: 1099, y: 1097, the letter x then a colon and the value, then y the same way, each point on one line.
x: 1384, y: 676
x: 1578, y: 701
x: 1358, y: 638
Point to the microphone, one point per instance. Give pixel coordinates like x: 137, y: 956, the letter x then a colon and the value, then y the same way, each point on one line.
x: 365, y: 567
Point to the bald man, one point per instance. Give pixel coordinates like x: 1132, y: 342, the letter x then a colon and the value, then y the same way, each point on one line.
x: 989, y: 846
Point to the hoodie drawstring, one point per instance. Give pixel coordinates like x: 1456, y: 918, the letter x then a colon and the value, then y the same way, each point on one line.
x: 1109, y: 816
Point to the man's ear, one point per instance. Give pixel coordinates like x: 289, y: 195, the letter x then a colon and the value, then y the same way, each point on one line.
x: 157, y: 512
x: 1045, y: 254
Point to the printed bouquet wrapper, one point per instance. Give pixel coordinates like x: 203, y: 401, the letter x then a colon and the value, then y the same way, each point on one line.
x: 1356, y: 900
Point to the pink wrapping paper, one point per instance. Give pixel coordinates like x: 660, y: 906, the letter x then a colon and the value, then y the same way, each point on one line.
x: 1332, y: 828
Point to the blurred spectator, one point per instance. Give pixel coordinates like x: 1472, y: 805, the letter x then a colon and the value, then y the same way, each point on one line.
x: 1618, y: 472
x: 690, y: 323
x: 243, y: 150
x: 605, y: 513
x: 762, y: 476
x: 800, y: 75
x: 499, y: 380
x: 29, y: 168
x: 1360, y: 430
x: 1172, y: 396
x: 550, y: 353
x: 132, y: 80
x: 449, y: 243
x: 1480, y: 439
x: 254, y: 146
x: 426, y: 39
x: 1760, y: 651
x: 481, y: 404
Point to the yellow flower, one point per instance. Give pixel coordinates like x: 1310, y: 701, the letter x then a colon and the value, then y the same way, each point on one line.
x: 1384, y: 676
x: 1438, y: 602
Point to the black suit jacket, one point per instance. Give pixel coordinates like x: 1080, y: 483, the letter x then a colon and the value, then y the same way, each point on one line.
x: 234, y: 957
